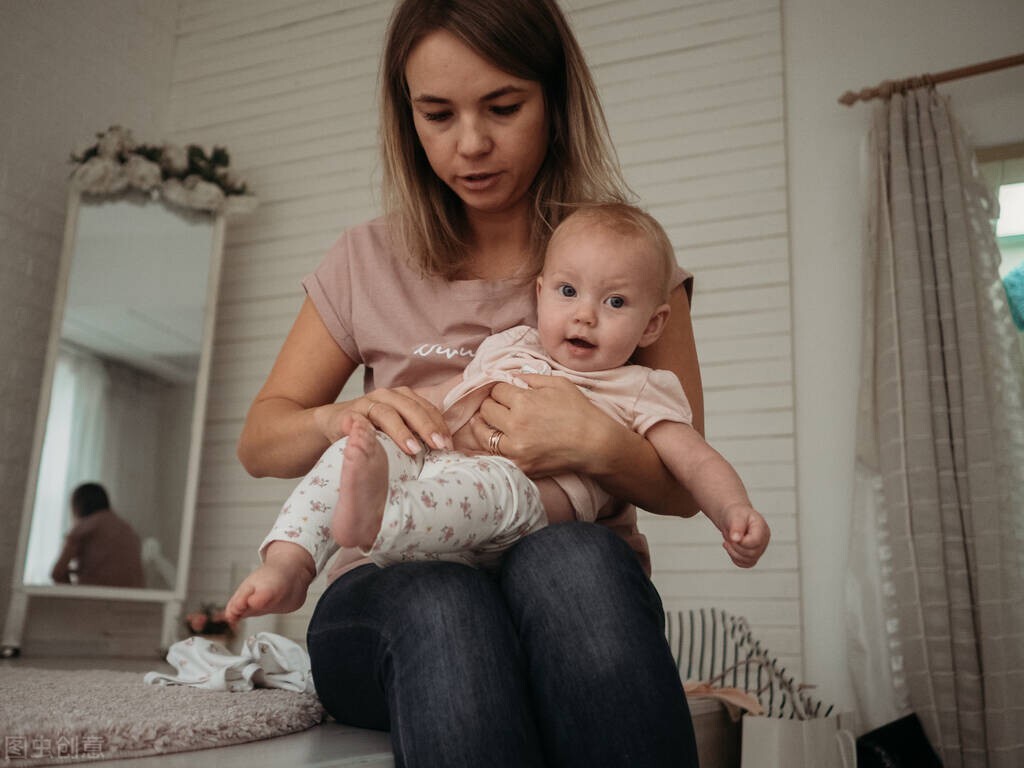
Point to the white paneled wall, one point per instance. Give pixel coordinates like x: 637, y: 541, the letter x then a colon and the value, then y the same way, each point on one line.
x: 291, y: 91
x: 693, y: 95
x: 69, y: 69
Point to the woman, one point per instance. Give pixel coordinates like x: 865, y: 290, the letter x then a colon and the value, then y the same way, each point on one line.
x: 102, y: 548
x: 491, y: 130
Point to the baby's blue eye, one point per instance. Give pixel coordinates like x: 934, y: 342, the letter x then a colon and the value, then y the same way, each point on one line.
x: 616, y: 302
x: 567, y: 290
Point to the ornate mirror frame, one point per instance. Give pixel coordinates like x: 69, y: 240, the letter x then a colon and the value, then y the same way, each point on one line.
x: 171, y: 599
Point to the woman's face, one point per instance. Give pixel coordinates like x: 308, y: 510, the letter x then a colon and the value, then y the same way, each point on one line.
x: 484, y: 131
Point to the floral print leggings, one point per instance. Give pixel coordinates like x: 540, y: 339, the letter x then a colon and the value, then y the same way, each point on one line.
x: 441, y: 505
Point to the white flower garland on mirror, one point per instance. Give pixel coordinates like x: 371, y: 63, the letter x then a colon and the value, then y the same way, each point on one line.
x: 187, y: 177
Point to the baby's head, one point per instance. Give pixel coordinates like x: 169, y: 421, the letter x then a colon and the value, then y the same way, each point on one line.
x: 604, y: 288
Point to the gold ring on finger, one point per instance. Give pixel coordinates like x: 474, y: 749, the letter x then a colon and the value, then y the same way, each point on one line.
x: 494, y: 442
x: 369, y: 410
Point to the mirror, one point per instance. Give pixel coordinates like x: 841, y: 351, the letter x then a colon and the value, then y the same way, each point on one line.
x: 124, y: 386
x: 123, y: 401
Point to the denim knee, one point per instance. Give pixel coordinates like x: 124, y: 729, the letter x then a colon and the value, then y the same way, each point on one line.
x: 433, y: 646
x: 579, y: 563
x: 604, y: 685
x: 443, y: 606
x: 585, y: 544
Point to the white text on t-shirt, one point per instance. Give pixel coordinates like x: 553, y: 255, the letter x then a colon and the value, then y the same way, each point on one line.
x: 426, y: 350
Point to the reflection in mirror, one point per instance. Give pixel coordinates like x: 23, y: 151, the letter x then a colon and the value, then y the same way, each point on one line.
x: 124, y: 384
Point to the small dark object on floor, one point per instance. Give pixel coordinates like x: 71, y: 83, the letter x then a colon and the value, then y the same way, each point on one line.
x: 899, y: 744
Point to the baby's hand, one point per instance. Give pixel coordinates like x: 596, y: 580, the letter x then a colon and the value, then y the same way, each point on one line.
x: 274, y: 587
x: 745, y: 533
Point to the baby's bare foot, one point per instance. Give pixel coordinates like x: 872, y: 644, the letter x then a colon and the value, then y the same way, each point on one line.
x: 364, y: 488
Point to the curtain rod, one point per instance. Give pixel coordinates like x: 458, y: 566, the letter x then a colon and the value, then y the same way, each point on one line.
x: 887, y: 87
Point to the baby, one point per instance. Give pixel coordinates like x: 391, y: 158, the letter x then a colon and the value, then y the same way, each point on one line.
x: 602, y: 294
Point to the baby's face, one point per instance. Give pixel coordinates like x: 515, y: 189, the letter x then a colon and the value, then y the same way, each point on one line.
x: 597, y: 297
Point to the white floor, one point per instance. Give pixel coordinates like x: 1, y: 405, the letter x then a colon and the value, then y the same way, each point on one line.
x: 329, y: 745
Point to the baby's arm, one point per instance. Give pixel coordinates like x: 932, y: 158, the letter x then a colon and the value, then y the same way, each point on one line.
x: 715, y: 486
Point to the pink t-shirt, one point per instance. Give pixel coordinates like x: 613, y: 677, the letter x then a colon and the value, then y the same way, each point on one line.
x: 634, y: 395
x: 409, y: 329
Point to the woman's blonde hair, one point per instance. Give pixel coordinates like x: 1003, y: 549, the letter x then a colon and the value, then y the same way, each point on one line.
x: 529, y: 39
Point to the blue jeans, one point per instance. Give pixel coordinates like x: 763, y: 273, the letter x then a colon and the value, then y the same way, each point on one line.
x: 559, y: 660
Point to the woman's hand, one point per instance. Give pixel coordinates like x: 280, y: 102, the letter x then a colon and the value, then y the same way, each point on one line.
x: 406, y: 417
x: 548, y: 428
x: 552, y: 427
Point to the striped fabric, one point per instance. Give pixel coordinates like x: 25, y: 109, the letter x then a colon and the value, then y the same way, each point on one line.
x: 714, y: 646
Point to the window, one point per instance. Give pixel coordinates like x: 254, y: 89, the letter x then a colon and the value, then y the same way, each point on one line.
x: 1003, y: 169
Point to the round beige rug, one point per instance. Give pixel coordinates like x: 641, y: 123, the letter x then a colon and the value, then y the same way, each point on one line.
x: 52, y: 717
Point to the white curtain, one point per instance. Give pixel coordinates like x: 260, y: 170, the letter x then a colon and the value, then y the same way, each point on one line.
x: 936, y: 587
x: 136, y: 438
x: 72, y: 454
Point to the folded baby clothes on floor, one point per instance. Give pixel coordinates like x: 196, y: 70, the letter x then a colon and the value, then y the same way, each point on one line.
x: 267, y: 660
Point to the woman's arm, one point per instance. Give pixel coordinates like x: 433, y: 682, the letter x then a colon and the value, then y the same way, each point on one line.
x: 553, y: 428
x: 281, y: 437
x: 294, y: 417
